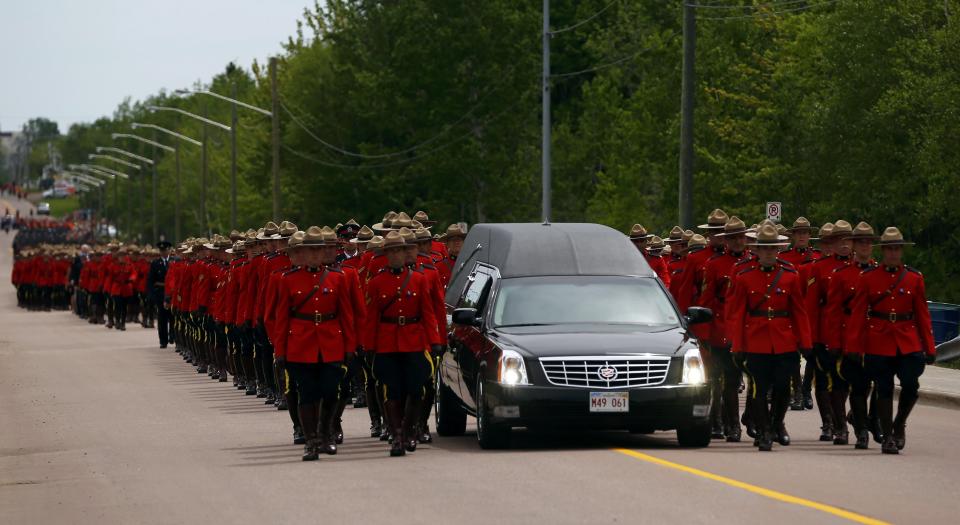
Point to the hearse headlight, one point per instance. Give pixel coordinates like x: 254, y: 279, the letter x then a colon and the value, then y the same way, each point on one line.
x: 693, y: 371
x: 512, y: 369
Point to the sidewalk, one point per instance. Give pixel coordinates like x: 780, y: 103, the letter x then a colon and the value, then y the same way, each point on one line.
x: 940, y: 386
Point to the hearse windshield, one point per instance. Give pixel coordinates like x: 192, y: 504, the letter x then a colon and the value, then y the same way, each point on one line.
x: 534, y: 301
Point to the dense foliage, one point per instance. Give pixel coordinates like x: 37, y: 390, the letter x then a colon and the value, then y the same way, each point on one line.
x: 839, y: 109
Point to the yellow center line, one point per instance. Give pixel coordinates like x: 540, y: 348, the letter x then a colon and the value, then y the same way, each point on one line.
x: 772, y: 494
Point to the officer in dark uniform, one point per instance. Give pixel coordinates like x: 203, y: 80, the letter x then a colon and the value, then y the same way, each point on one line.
x: 155, y: 289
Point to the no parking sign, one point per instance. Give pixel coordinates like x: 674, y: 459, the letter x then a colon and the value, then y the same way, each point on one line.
x: 773, y: 211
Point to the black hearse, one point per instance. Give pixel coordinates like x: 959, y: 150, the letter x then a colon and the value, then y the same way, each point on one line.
x: 566, y: 326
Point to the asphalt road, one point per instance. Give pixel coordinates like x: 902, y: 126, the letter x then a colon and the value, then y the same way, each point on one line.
x: 99, y: 426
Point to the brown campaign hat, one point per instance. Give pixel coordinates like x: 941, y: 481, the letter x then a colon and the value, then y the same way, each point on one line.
x: 363, y: 236
x: 668, y: 250
x: 687, y: 235
x: 781, y: 229
x: 393, y: 240
x: 892, y: 237
x: 312, y: 236
x: 424, y: 219
x: 409, y: 236
x: 236, y: 236
x: 286, y: 229
x: 767, y: 236
x: 802, y: 224
x: 862, y: 231
x: 841, y: 229
x: 296, y: 239
x: 386, y: 224
x: 329, y: 236
x: 676, y: 235
x: 238, y: 247
x: 656, y: 244
x: 826, y: 231
x: 423, y: 234
x: 402, y: 220
x: 638, y: 232
x: 376, y: 243
x: 715, y: 221
x: 697, y: 241
x: 454, y: 230
x: 735, y: 226
x: 268, y: 231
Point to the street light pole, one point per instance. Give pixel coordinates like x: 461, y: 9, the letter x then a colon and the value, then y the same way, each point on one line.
x: 275, y: 137
x: 156, y: 227
x: 233, y: 158
x: 203, y: 175
x: 176, y: 151
x: 686, y: 116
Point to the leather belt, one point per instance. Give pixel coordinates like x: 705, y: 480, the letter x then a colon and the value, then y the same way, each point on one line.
x: 891, y: 316
x: 402, y: 320
x: 316, y: 317
x: 769, y: 313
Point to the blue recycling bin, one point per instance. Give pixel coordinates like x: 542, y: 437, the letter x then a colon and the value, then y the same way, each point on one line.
x: 946, y: 321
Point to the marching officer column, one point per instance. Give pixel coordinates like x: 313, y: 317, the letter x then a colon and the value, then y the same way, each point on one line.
x: 401, y: 332
x: 767, y: 322
x: 315, y: 336
x: 890, y: 325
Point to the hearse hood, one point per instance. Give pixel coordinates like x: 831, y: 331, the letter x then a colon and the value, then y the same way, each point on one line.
x: 588, y: 340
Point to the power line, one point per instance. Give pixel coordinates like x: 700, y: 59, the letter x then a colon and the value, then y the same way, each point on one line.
x: 600, y: 66
x: 446, y: 129
x: 747, y: 6
x: 315, y: 160
x: 585, y: 20
x: 771, y: 13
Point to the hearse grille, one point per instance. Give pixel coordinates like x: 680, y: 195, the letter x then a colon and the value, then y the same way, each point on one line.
x: 606, y: 372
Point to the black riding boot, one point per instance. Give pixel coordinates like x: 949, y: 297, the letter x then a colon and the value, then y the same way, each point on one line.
x: 858, y: 403
x: 900, y: 423
x: 310, y: 417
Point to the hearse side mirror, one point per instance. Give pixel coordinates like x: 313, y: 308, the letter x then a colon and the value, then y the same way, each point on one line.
x: 697, y: 315
x: 467, y: 316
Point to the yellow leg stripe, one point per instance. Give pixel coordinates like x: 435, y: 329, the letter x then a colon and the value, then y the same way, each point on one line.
x: 286, y: 383
x: 768, y: 493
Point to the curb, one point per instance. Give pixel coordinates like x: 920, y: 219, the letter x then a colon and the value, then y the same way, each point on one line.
x: 936, y: 398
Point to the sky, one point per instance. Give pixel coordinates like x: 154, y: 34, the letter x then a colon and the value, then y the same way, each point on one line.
x: 76, y: 60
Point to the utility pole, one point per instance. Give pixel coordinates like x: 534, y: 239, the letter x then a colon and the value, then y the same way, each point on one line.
x: 686, y: 116
x: 203, y: 174
x: 233, y: 158
x: 156, y: 227
x: 275, y: 137
x: 545, y: 95
x: 176, y: 205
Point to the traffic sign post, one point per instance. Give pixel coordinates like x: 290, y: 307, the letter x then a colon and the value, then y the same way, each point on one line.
x: 773, y: 211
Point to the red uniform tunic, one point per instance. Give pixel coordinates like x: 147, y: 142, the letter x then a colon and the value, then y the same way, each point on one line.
x: 802, y: 258
x: 764, y: 317
x: 839, y: 304
x: 890, y: 314
x: 716, y: 285
x: 437, y: 291
x: 356, y: 299
x: 659, y: 266
x: 400, y: 313
x: 818, y: 285
x: 274, y: 262
x: 122, y: 277
x: 231, y: 288
x: 322, y: 296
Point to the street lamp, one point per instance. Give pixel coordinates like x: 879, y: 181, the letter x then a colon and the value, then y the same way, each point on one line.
x: 203, y: 152
x: 176, y: 154
x: 116, y: 199
x: 233, y: 139
x: 155, y: 145
x: 92, y: 156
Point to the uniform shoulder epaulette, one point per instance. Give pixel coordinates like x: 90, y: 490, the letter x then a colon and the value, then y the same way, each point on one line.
x: 816, y: 250
x: 244, y: 263
x: 909, y: 269
x: 838, y: 268
x: 790, y: 269
x: 785, y: 263
x: 272, y: 255
x: 746, y: 270
x: 870, y: 269
x: 745, y: 260
x: 428, y: 266
x: 335, y: 268
x: 292, y: 270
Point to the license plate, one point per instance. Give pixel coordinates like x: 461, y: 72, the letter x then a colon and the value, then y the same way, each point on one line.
x: 609, y: 402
